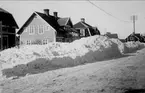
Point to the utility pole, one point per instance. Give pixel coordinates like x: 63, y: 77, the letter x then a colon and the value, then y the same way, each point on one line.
x: 1, y: 36
x: 134, y: 18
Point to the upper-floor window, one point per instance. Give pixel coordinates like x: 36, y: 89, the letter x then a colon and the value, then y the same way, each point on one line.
x: 41, y: 29
x: 5, y: 28
x: 47, y: 28
x: 31, y: 30
x: 82, y: 32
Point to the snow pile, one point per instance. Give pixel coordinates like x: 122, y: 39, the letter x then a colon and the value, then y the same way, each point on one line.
x: 128, y: 47
x: 33, y: 58
x: 133, y: 46
x: 121, y: 46
x: 86, y: 49
x: 27, y: 53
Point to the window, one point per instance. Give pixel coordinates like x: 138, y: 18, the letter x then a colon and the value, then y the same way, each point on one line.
x: 132, y: 38
x: 82, y: 32
x: 45, y: 41
x: 31, y: 30
x: 28, y: 42
x: 36, y: 28
x: 5, y: 29
x: 47, y: 28
x: 41, y: 29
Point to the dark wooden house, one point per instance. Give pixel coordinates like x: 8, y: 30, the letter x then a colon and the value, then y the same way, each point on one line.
x: 42, y: 28
x: 8, y: 28
x: 135, y: 37
x: 85, y: 29
x: 111, y: 35
x: 122, y: 40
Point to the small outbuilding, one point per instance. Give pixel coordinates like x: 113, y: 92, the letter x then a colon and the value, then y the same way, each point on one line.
x: 135, y: 37
x: 85, y: 29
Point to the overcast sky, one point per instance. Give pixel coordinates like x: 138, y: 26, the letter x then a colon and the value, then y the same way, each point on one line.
x: 22, y: 10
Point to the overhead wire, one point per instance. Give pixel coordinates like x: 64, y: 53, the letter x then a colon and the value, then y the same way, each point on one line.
x: 107, y: 12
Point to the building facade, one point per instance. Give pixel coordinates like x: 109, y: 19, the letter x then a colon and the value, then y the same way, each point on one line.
x: 42, y: 28
x: 8, y: 28
x: 85, y: 29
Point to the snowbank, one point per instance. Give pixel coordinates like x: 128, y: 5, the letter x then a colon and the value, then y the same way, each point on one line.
x: 128, y: 47
x: 133, y: 46
x: 121, y: 46
x: 33, y: 58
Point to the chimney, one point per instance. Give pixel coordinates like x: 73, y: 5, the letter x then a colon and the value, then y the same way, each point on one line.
x: 82, y: 19
x: 46, y: 11
x: 55, y: 14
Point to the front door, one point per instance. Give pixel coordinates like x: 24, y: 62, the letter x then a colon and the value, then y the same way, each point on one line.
x: 5, y: 42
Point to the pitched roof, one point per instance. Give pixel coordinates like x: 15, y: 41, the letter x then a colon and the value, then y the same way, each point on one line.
x: 82, y: 25
x: 137, y: 35
x: 87, y: 24
x: 56, y: 23
x: 2, y: 10
x: 7, y: 18
x: 26, y: 23
x: 110, y: 35
x: 62, y: 21
x: 50, y: 20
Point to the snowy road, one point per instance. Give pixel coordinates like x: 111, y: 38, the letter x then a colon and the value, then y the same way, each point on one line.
x: 113, y: 76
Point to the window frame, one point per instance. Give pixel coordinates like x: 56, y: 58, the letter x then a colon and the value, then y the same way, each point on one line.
x: 82, y: 32
x: 28, y: 42
x: 45, y: 41
x: 31, y: 30
x: 41, y: 29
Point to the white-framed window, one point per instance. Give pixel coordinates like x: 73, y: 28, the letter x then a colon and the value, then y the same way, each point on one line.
x: 47, y: 28
x: 45, y: 41
x: 28, y: 42
x: 36, y: 28
x: 82, y: 32
x: 41, y: 29
x: 31, y: 30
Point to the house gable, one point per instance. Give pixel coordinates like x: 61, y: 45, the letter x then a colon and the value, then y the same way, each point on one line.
x: 69, y: 23
x: 88, y: 28
x: 79, y: 25
x: 35, y: 14
x: 26, y: 24
x: 132, y: 38
x: 62, y: 21
x: 8, y: 19
x: 51, y: 20
x: 135, y: 37
x: 37, y: 29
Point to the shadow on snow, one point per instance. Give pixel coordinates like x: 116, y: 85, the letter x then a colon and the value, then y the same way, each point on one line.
x: 42, y: 65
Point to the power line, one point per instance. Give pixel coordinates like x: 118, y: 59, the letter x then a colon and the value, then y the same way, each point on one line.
x: 107, y: 12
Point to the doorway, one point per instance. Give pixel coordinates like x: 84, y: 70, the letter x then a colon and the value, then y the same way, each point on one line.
x: 5, y: 42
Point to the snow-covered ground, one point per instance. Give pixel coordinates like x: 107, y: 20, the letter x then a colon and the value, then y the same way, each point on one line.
x: 40, y: 58
x: 122, y: 75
